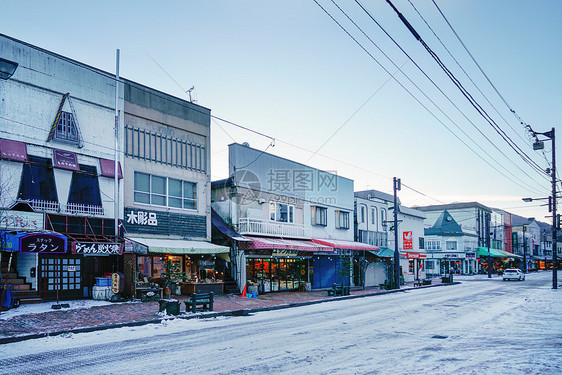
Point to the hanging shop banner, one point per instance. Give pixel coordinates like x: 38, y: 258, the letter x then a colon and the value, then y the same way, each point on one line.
x: 408, y: 240
x: 44, y: 243
x: 21, y: 220
x: 13, y: 150
x: 65, y: 160
x: 108, y: 168
x: 96, y: 248
x: 115, y: 283
x: 470, y: 255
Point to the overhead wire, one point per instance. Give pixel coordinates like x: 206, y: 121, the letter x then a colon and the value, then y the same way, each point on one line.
x: 480, y: 110
x: 415, y: 98
x: 434, y: 84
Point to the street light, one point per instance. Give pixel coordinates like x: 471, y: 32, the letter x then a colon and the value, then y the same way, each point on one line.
x: 539, y: 145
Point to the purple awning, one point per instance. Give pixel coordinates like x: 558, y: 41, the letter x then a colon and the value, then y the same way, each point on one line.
x: 108, y: 168
x: 65, y: 160
x: 13, y: 150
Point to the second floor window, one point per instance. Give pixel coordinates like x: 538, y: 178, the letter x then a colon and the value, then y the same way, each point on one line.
x: 85, y: 188
x: 374, y: 217
x: 38, y: 180
x: 432, y: 244
x: 451, y: 245
x: 164, y: 191
x: 319, y: 215
x: 66, y: 129
x: 281, y: 212
x: 342, y: 219
x: 362, y: 214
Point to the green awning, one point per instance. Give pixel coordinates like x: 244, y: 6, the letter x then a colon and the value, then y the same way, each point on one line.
x: 179, y: 247
x: 510, y: 255
x: 495, y: 253
x: 384, y: 252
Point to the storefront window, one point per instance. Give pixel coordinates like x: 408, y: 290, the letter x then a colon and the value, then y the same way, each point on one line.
x: 274, y: 275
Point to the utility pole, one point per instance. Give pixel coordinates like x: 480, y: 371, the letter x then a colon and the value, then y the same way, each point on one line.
x: 489, y: 261
x: 396, y: 187
x: 524, y: 249
x: 539, y: 145
x: 554, y: 216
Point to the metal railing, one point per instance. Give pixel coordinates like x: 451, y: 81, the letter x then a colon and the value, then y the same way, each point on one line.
x: 70, y: 208
x: 270, y: 228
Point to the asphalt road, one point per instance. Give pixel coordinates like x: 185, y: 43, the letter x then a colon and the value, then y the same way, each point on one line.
x: 483, y: 326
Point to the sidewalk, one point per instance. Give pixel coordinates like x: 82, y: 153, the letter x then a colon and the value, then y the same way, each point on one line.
x: 90, y: 317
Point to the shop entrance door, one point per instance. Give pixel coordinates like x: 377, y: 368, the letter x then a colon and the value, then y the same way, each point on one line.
x: 62, y: 273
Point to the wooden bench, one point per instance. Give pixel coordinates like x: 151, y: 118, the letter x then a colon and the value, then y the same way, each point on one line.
x: 205, y: 300
x: 338, y: 290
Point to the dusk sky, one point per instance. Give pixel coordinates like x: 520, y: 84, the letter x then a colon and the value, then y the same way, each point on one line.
x: 286, y: 69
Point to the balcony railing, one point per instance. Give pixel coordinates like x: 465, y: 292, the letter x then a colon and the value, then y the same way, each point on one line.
x: 373, y: 238
x: 68, y: 209
x: 270, y: 228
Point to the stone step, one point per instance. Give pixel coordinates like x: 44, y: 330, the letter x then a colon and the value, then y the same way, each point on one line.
x: 9, y: 275
x: 15, y: 281
x: 30, y: 301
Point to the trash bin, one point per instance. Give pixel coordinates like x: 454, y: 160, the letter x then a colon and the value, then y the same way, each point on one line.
x: 173, y: 307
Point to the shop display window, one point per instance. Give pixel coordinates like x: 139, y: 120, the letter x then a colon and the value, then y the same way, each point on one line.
x: 275, y: 275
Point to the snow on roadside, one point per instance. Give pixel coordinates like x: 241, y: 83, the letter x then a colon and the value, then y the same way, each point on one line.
x: 46, y: 307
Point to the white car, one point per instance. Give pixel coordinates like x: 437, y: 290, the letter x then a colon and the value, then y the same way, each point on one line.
x: 513, y: 274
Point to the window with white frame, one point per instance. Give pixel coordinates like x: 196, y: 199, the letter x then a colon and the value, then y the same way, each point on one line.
x: 319, y: 215
x: 383, y: 218
x: 432, y: 244
x: 362, y: 214
x: 451, y: 245
x: 342, y: 219
x: 164, y: 191
x: 66, y: 129
x: 284, y: 213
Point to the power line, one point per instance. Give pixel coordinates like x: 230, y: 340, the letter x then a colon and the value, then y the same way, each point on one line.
x: 416, y: 99
x: 466, y: 73
x: 468, y: 96
x: 434, y: 84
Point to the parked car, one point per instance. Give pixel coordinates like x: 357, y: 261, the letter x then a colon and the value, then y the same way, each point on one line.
x: 513, y: 274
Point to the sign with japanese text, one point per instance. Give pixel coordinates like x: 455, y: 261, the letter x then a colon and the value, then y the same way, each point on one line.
x: 115, y: 282
x: 45, y: 243
x: 408, y: 240
x: 164, y: 223
x: 284, y: 253
x: 13, y: 150
x: 142, y: 218
x: 470, y: 255
x: 415, y: 255
x: 96, y: 248
x: 65, y: 160
x: 21, y: 220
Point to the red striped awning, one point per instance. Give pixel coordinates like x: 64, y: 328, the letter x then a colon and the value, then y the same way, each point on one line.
x: 276, y: 243
x: 345, y: 245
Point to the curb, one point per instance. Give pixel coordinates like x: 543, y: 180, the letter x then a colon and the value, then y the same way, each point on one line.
x: 243, y: 312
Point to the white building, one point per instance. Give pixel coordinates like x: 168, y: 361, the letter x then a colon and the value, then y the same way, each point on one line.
x: 299, y: 220
x: 57, y: 119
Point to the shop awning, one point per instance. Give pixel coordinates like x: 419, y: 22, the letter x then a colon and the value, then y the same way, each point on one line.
x: 276, y: 243
x: 219, y: 224
x: 384, y: 252
x: 509, y: 255
x: 494, y: 253
x: 345, y: 245
x: 167, y: 246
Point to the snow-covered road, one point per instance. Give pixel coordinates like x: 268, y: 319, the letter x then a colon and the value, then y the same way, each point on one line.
x: 484, y: 326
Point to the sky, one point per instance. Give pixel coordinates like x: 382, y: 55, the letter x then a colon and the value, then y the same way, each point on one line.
x: 287, y: 70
